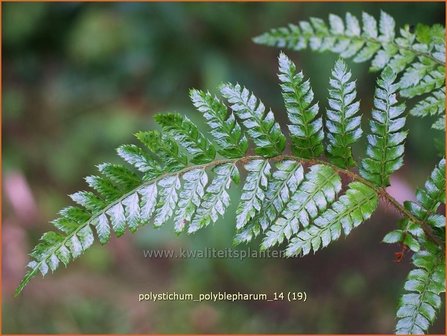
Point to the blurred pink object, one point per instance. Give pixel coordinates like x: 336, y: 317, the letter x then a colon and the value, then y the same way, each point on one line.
x: 19, y: 194
x: 400, y: 190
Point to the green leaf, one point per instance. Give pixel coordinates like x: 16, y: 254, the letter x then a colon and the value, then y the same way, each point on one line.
x: 224, y: 127
x: 393, y: 237
x: 425, y: 283
x: 216, y: 198
x: 306, y: 128
x: 386, y: 139
x: 186, y: 133
x: 141, y: 160
x: 253, y: 192
x: 431, y: 106
x: 168, y: 198
x: 284, y: 182
x: 348, y: 212
x: 344, y: 127
x: 260, y: 124
x: 164, y: 149
x: 312, y: 197
x: 190, y: 196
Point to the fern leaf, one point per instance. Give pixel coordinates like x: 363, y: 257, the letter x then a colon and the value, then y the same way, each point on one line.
x: 420, y: 54
x: 186, y: 133
x: 431, y: 105
x: 306, y: 128
x: 349, y: 39
x: 190, y: 196
x: 284, y: 182
x: 164, y: 149
x: 344, y: 127
x: 439, y: 124
x: 216, y: 198
x: 261, y: 125
x: 104, y: 187
x: 428, y: 200
x: 319, y: 190
x: 141, y: 160
x: 423, y: 287
x: 168, y: 198
x: 253, y: 192
x: 432, y: 195
x: 348, y: 212
x: 420, y: 79
x: 386, y: 141
x: 224, y: 127
x: 119, y: 175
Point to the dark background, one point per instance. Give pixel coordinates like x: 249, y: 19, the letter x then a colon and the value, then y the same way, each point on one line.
x: 80, y: 79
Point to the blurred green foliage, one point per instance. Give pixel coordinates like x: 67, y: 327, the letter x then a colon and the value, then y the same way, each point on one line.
x: 80, y: 78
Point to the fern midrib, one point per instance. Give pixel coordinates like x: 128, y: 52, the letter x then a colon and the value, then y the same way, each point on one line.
x: 378, y: 190
x: 385, y: 143
x: 346, y: 149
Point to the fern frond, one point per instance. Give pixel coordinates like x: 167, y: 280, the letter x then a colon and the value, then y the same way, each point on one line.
x: 431, y: 196
x: 216, y: 198
x: 319, y: 190
x: 186, y: 133
x: 261, y: 125
x: 420, y: 55
x: 439, y: 124
x: 174, y: 175
x: 386, y: 142
x: 253, y: 192
x: 224, y: 127
x: 422, y: 78
x: 164, y: 149
x: 284, y: 182
x: 348, y: 212
x: 190, y: 196
x: 306, y: 128
x: 350, y: 39
x: 425, y: 283
x: 141, y: 160
x: 344, y: 127
x: 431, y: 105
